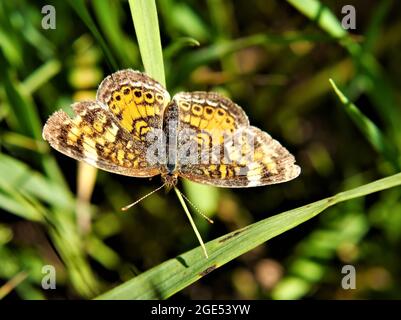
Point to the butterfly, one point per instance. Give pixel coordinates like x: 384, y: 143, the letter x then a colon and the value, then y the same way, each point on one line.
x: 134, y: 128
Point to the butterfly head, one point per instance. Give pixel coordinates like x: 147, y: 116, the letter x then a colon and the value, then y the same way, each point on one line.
x: 170, y: 180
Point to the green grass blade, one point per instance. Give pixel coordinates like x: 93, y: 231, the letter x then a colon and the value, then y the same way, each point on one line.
x: 18, y: 175
x: 22, y: 107
x: 40, y: 76
x: 374, y: 29
x: 178, y: 45
x: 21, y: 141
x: 19, y: 203
x: 146, y: 25
x: 81, y: 9
x: 189, y: 22
x: 318, y: 12
x: 10, y: 44
x: 108, y: 14
x: 173, y: 275
x: 23, y: 116
x: 369, y: 129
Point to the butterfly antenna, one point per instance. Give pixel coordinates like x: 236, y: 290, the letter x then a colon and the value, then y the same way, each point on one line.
x: 196, y: 208
x: 140, y: 199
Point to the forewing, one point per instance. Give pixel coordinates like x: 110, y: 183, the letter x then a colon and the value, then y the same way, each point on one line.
x: 95, y: 137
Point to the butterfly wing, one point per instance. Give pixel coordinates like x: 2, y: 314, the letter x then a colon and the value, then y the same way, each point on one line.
x: 136, y: 101
x: 111, y: 132
x: 228, y: 151
x: 95, y: 137
x: 257, y: 162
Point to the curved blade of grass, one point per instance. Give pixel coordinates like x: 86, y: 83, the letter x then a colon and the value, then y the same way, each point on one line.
x: 20, y: 203
x: 318, y: 12
x: 40, y: 76
x: 146, y: 25
x: 10, y: 44
x: 18, y: 175
x: 369, y: 129
x: 23, y: 117
x: 108, y: 15
x: 178, y: 45
x: 188, y: 21
x: 80, y: 7
x: 24, y: 112
x: 22, y: 141
x: 374, y: 29
x: 173, y: 275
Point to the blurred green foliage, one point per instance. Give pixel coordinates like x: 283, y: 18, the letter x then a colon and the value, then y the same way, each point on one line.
x: 275, y: 59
